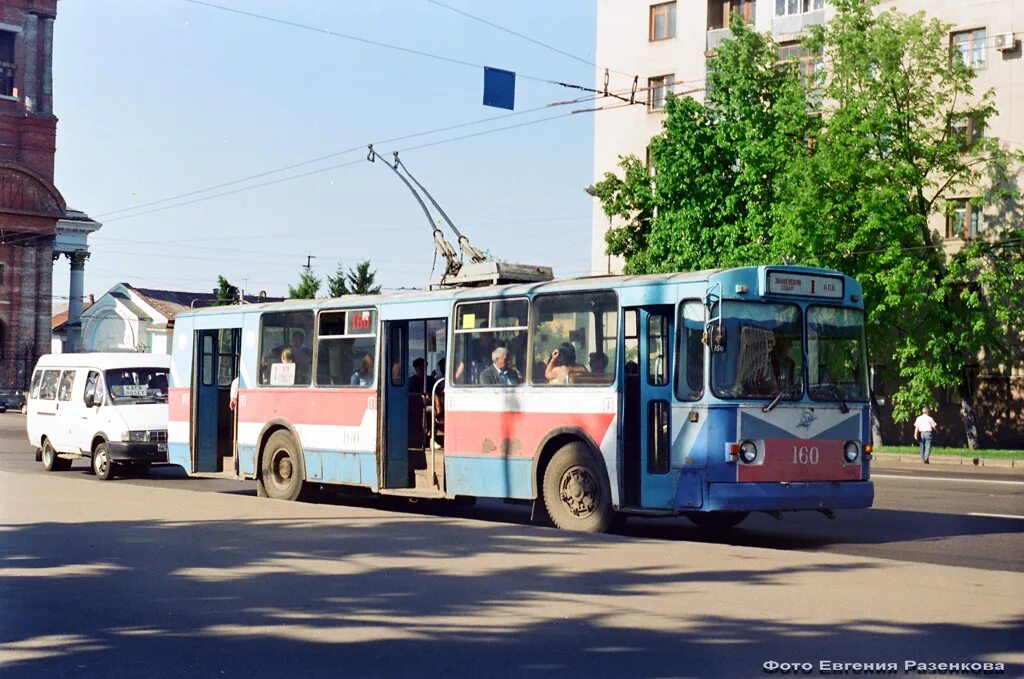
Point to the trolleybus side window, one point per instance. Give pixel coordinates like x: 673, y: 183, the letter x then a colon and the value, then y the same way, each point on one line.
x: 482, y: 329
x: 285, y: 357
x: 690, y: 352
x: 346, y: 348
x: 567, y: 330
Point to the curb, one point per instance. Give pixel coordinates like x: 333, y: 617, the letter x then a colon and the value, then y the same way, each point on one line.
x: 950, y: 460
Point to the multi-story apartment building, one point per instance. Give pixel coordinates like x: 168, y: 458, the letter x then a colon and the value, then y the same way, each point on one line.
x: 667, y: 43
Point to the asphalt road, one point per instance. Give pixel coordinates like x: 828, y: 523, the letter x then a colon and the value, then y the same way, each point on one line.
x: 164, y: 576
x: 957, y: 516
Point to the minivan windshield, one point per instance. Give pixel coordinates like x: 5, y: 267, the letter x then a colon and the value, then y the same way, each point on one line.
x: 136, y: 386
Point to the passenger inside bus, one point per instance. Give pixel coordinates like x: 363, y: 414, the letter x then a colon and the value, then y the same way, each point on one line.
x: 500, y: 372
x: 598, y: 363
x: 561, y: 366
x: 363, y: 377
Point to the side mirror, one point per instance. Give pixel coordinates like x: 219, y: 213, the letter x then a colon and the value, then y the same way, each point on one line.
x: 90, y: 400
x: 714, y: 337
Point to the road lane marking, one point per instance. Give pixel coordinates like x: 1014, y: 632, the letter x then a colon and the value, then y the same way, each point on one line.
x: 946, y: 478
x: 997, y: 516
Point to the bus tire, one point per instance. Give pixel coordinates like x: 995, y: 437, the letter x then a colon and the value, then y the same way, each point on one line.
x: 576, y: 492
x: 102, y: 466
x: 51, y: 462
x: 717, y: 521
x: 281, y: 467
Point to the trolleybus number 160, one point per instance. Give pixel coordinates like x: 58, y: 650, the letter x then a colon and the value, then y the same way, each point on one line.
x: 805, y: 455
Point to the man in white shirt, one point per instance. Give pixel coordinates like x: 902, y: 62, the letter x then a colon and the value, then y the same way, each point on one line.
x: 924, y: 427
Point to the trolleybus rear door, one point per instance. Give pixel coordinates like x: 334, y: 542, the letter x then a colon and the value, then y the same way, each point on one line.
x: 204, y: 402
x: 395, y: 437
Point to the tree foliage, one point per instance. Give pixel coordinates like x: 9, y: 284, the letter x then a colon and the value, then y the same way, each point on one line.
x: 309, y: 285
x: 749, y: 177
x: 225, y: 292
x: 358, y: 281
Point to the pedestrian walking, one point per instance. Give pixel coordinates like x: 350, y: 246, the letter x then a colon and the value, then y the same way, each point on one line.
x: 924, y: 428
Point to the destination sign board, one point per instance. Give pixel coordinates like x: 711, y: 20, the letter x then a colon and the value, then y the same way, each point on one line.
x: 804, y: 285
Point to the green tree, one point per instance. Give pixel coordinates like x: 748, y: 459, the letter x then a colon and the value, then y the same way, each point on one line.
x: 749, y: 178
x: 710, y: 196
x: 358, y: 281
x: 225, y: 292
x: 893, y: 154
x: 309, y: 285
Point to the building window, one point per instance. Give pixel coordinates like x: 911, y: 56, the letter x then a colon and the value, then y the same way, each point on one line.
x: 663, y: 21
x: 964, y: 220
x: 966, y: 130
x: 808, y: 63
x: 787, y: 7
x: 657, y: 90
x: 971, y: 46
x: 720, y: 12
x: 7, y: 69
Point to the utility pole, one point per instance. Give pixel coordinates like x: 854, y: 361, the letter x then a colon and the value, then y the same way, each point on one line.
x: 309, y: 261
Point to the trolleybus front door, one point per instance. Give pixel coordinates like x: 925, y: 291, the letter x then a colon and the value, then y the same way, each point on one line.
x: 396, y: 406
x: 648, y: 407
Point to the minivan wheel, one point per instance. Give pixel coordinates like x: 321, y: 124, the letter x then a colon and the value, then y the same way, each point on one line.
x: 51, y: 462
x: 102, y: 465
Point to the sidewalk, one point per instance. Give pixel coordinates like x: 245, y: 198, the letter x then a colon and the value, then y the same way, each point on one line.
x: 915, y: 458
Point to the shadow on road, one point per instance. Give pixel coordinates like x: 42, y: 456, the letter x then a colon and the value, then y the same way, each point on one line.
x: 404, y: 597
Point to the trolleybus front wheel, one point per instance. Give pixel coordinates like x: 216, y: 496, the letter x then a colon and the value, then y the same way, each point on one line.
x: 576, y: 492
x: 281, y: 468
x: 717, y: 520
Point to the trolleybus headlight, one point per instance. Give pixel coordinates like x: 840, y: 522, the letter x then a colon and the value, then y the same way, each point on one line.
x: 850, y: 451
x: 748, y: 451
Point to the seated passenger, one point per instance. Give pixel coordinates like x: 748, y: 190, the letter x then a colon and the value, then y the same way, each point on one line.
x: 363, y: 377
x: 499, y: 371
x: 598, y: 363
x: 562, y: 365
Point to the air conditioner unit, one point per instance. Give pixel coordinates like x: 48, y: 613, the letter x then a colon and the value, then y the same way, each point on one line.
x: 1005, y: 42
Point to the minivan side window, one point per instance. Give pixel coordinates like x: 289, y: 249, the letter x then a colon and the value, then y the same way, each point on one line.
x: 48, y: 388
x: 91, y: 383
x: 37, y: 379
x: 67, y: 380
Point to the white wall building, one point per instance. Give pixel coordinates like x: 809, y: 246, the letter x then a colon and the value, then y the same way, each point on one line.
x: 666, y: 44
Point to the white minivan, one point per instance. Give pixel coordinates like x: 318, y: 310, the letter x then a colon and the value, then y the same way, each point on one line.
x: 109, y: 407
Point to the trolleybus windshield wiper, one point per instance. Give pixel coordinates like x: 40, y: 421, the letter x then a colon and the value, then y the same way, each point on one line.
x: 774, y: 402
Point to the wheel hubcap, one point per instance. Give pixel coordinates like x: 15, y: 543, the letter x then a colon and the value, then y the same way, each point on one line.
x: 283, y: 468
x: 578, y: 490
x: 101, y: 462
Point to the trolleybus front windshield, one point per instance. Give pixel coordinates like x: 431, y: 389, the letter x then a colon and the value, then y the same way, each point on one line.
x: 836, y: 354
x: 762, y: 355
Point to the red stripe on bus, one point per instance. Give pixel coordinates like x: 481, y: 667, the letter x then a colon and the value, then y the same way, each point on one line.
x: 800, y: 460
x: 179, y: 405
x: 515, y: 434
x: 344, y: 407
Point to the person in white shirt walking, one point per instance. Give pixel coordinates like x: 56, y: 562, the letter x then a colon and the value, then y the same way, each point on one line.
x: 924, y: 428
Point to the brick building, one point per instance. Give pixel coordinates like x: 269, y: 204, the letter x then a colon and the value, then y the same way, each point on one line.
x: 30, y: 205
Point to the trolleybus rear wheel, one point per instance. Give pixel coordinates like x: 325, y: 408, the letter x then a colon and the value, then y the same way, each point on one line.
x: 281, y: 468
x: 576, y: 492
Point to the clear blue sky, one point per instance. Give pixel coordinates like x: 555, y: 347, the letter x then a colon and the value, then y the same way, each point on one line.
x: 164, y: 97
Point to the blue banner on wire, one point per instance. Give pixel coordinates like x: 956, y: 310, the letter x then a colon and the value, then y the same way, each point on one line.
x: 499, y: 88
